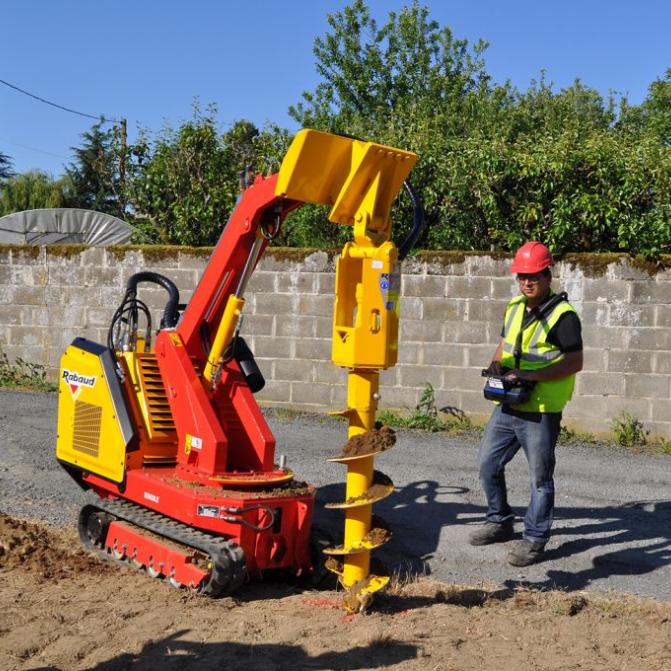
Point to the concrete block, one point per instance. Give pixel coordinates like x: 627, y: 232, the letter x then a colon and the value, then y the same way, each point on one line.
x: 294, y: 325
x: 67, y: 276
x: 479, y: 356
x: 408, y: 353
x: 663, y: 316
x: 319, y: 262
x: 638, y: 407
x: 262, y: 282
x: 98, y: 317
x: 5, y: 255
x: 630, y: 361
x: 647, y: 386
x: 398, y: 397
x: 479, y: 288
x: 316, y: 305
x: 27, y: 276
x: 503, y: 289
x: 11, y: 314
x: 595, y: 359
x: 466, y: 332
x: 327, y: 373
x: 391, y: 376
x: 443, y: 309
x: 419, y: 376
x: 599, y: 384
x: 29, y: 255
x: 650, y: 291
x: 92, y: 256
x: 651, y: 338
x: 61, y: 338
x: 462, y: 379
x: 194, y: 260
x: 411, y: 308
x: 99, y: 276
x: 441, y: 354
x: 621, y: 314
x: 257, y: 325
x: 28, y: 336
x: 312, y: 394
x: 272, y: 347
x: 296, y: 283
x: 659, y: 410
x: 275, y: 304
x: 313, y: 349
x: 323, y: 327
x: 486, y: 311
x: 27, y: 295
x: 597, y: 314
x: 603, y: 289
x: 275, y: 391
x: 660, y: 430
x: 663, y: 363
x: 424, y: 286
x: 413, y: 330
x: 326, y: 283
x: 587, y: 406
x: 488, y: 266
x: 37, y: 315
x: 292, y: 369
x: 68, y: 314
x: 614, y: 337
x: 30, y: 354
x: 471, y: 401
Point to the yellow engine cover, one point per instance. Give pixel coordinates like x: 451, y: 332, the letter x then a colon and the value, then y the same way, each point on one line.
x: 94, y: 430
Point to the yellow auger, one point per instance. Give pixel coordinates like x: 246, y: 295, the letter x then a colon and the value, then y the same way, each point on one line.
x: 361, y: 186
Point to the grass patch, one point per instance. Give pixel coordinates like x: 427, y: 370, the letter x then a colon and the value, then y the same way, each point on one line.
x: 22, y: 374
x: 427, y: 417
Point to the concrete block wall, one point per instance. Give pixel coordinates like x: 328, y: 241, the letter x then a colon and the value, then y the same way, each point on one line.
x: 451, y: 311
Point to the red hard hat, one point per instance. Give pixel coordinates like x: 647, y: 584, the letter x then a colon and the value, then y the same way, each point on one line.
x: 531, y: 257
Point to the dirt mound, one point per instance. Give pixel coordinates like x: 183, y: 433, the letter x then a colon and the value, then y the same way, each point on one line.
x: 371, y: 442
x: 38, y: 550
x: 115, y: 620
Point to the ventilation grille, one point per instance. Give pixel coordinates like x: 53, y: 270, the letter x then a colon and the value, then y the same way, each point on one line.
x: 86, y: 437
x: 159, y: 417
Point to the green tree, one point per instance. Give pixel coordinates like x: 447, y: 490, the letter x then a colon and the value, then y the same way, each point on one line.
x: 5, y: 166
x: 94, y: 174
x: 30, y: 191
x: 185, y: 182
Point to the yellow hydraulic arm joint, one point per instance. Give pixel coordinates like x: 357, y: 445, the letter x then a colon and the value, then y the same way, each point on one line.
x: 361, y: 184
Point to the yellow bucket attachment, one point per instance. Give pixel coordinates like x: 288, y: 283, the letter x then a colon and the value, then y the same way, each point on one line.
x: 361, y: 177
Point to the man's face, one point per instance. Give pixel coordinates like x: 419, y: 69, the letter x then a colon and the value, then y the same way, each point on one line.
x: 534, y: 286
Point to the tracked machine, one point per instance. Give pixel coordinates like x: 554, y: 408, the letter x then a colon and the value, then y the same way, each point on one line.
x: 160, y: 426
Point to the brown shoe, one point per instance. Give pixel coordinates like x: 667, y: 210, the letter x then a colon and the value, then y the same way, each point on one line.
x: 491, y: 532
x: 526, y: 553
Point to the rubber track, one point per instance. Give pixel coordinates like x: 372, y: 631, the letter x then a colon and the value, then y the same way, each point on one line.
x: 227, y: 558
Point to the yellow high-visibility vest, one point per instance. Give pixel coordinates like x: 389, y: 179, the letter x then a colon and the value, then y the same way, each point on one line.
x: 536, y: 353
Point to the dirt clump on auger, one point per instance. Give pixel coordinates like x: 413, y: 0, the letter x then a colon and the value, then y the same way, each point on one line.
x: 371, y: 442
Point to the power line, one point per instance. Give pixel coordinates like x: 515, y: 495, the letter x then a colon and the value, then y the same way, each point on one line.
x: 61, y: 107
x: 41, y: 151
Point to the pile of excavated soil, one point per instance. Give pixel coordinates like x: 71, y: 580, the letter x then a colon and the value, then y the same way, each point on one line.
x: 371, y: 442
x: 42, y: 552
x: 85, y: 618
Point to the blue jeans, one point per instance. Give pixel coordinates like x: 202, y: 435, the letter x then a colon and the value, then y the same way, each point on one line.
x: 536, y: 433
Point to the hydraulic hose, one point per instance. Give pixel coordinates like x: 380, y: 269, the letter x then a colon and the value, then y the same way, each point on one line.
x: 171, y: 311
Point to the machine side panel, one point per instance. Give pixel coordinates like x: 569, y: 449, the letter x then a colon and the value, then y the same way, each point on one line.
x: 93, y: 435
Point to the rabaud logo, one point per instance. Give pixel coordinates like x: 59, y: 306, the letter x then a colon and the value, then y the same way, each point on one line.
x: 76, y: 381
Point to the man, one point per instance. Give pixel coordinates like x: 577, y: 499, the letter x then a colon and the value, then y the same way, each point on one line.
x: 540, y: 346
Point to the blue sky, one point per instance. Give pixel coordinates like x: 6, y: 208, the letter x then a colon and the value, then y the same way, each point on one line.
x: 146, y: 61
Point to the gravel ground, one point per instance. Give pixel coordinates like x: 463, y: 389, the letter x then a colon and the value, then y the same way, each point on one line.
x: 612, y: 519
